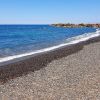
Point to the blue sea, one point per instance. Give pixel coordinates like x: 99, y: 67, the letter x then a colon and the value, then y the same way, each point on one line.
x: 21, y: 39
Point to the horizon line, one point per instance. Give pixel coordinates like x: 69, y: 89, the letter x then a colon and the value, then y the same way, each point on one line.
x: 48, y: 23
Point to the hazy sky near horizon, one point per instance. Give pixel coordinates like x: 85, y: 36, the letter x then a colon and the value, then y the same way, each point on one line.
x: 49, y: 11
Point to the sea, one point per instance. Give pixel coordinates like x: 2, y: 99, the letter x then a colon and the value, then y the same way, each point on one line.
x: 24, y: 40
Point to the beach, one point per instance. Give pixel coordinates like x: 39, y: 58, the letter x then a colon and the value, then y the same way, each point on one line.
x: 68, y: 73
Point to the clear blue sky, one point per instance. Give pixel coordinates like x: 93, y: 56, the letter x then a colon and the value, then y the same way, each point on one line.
x: 49, y: 11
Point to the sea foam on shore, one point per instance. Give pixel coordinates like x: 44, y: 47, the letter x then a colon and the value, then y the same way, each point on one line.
x: 70, y: 41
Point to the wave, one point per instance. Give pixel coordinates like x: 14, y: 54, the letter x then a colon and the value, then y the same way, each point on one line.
x: 70, y: 41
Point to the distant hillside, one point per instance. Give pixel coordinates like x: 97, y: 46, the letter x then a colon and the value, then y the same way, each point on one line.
x: 69, y: 25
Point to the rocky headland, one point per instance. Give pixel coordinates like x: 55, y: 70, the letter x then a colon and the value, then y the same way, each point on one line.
x: 69, y: 25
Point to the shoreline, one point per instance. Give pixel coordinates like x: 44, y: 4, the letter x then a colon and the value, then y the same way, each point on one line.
x: 31, y: 64
x: 24, y: 56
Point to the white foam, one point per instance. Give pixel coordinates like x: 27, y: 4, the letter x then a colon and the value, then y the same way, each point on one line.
x: 75, y: 40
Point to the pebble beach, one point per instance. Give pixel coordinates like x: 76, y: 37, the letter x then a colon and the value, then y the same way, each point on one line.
x: 69, y: 73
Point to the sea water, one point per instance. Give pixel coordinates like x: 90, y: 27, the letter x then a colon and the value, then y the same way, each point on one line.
x: 23, y: 40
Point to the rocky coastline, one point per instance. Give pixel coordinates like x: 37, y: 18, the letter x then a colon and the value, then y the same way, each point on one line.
x: 69, y: 25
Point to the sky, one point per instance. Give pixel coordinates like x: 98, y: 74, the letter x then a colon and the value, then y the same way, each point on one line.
x: 49, y: 11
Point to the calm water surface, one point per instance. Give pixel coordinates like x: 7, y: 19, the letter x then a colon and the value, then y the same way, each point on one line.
x: 17, y: 39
